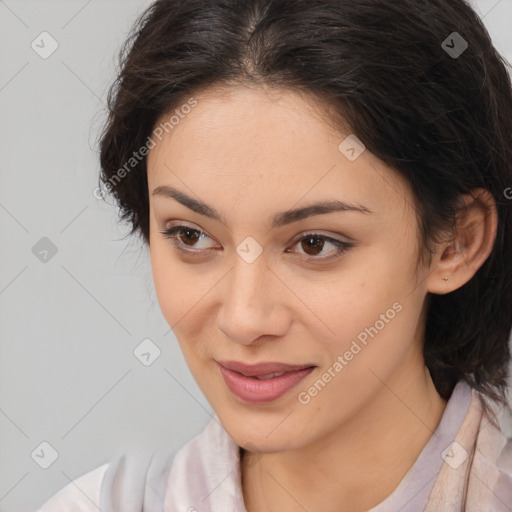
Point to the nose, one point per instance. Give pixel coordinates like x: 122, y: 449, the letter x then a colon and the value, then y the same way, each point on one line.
x: 252, y: 306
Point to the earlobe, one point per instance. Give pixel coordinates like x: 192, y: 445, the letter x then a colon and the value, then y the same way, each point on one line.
x: 458, y: 259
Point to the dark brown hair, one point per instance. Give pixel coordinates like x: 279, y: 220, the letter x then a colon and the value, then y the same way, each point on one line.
x: 420, y: 84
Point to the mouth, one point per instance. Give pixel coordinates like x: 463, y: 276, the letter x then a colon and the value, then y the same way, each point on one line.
x: 264, y: 382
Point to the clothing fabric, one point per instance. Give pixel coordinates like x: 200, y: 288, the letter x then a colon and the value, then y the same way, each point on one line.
x: 466, y: 466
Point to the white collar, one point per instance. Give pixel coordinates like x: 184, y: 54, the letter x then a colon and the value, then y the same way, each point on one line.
x: 205, y: 475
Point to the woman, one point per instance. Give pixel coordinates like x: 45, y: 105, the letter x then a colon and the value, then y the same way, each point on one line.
x: 325, y: 190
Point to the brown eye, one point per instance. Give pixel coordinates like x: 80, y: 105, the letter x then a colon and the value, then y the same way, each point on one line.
x: 312, y: 244
x: 188, y: 235
x: 184, y: 237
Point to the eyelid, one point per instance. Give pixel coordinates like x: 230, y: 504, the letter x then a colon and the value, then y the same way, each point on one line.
x: 184, y: 224
x: 348, y: 240
x: 321, y: 233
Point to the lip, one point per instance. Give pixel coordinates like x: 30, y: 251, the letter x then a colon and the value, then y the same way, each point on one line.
x: 241, y: 379
x: 253, y: 370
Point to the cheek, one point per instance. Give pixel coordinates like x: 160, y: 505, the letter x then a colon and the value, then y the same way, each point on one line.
x: 169, y: 283
x: 182, y: 292
x: 366, y: 328
x: 368, y: 312
x: 349, y: 298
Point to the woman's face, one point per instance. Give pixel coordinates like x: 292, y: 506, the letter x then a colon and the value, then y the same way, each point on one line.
x: 254, y: 285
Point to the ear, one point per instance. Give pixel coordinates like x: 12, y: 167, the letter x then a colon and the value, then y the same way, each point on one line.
x: 457, y: 259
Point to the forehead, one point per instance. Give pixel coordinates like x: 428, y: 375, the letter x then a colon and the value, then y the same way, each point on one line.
x: 251, y: 122
x: 267, y: 144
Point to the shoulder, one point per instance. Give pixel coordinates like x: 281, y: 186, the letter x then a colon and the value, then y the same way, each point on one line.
x: 80, y: 495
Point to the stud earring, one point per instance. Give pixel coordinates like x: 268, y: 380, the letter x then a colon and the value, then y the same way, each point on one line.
x: 445, y: 279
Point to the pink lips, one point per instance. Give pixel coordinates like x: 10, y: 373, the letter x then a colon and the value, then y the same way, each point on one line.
x: 242, y: 379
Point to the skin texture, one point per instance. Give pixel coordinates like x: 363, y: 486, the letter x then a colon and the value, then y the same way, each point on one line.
x: 251, y: 153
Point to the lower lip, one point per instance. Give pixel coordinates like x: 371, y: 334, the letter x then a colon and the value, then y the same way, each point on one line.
x: 256, y: 391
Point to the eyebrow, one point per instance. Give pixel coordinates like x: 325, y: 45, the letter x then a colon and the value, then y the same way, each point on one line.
x: 278, y: 220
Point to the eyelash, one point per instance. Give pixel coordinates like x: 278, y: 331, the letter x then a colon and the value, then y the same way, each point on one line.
x: 172, y: 234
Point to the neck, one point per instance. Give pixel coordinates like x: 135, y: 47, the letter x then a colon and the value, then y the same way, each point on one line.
x: 357, y: 465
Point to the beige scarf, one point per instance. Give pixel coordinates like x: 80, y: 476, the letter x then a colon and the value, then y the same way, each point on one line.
x: 477, y: 473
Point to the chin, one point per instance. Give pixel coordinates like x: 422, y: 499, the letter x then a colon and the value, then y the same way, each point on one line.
x: 255, y: 431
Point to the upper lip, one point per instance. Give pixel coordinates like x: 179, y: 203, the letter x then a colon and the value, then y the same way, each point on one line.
x: 253, y: 370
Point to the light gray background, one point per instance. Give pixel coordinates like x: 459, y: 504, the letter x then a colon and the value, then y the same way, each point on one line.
x: 69, y: 325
